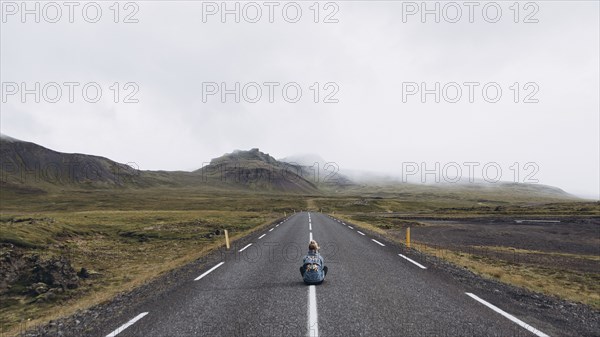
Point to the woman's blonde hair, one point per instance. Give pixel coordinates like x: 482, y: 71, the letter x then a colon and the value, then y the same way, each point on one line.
x: 313, y: 245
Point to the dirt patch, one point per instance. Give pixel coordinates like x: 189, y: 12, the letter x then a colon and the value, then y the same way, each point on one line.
x: 571, y: 244
x: 572, y: 235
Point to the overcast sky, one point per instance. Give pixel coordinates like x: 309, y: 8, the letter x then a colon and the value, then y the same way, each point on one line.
x: 370, y: 55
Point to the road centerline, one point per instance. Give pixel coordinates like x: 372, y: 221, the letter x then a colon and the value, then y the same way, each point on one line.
x: 313, y: 319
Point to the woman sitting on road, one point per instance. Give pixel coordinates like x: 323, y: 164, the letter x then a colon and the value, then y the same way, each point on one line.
x: 313, y: 270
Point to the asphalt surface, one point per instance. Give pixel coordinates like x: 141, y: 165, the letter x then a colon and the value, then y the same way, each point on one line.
x: 370, y: 290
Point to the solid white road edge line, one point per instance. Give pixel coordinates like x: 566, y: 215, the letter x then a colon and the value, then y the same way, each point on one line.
x: 361, y: 233
x: 248, y: 245
x: 127, y: 325
x: 379, y: 243
x: 262, y: 236
x: 509, y: 316
x: 313, y: 319
x: 413, y: 261
x: 209, y: 271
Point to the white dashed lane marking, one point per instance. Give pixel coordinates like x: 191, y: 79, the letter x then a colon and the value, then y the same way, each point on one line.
x: 209, y: 271
x: 248, y: 245
x: 413, y: 261
x: 377, y: 242
x: 509, y: 316
x: 127, y: 325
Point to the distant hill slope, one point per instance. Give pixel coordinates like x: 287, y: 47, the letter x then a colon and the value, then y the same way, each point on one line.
x: 256, y: 170
x: 25, y: 164
x: 478, y: 192
x: 325, y: 174
x: 29, y: 168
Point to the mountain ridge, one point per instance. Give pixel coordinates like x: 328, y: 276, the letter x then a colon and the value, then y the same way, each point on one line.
x: 27, y: 167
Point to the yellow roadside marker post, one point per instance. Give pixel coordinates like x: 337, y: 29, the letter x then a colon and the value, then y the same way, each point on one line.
x: 408, y: 237
x: 227, y: 239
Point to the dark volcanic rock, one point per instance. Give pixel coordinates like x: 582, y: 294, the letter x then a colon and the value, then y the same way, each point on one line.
x: 35, y: 275
x: 56, y: 272
x: 10, y: 263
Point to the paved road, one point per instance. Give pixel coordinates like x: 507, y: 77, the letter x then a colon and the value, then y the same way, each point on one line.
x: 370, y: 291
